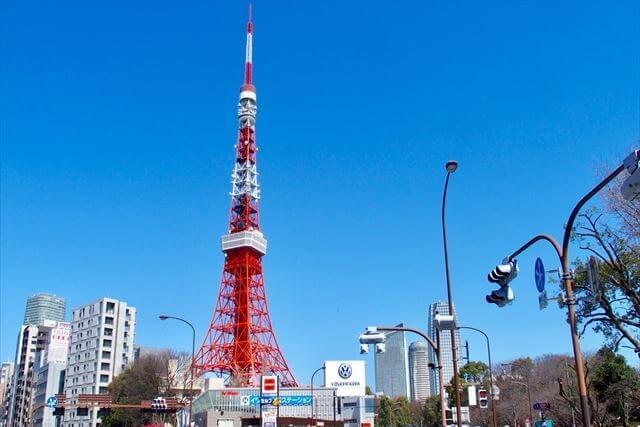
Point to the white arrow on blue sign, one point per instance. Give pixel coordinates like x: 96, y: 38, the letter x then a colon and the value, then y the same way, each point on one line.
x: 540, y: 279
x: 52, y: 402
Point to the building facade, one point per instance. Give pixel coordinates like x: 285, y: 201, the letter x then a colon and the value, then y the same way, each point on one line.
x: 446, y: 351
x: 19, y: 408
x: 419, y: 371
x: 48, y: 374
x: 41, y: 307
x: 6, y: 378
x: 100, y: 347
x: 392, y: 368
x: 237, y: 407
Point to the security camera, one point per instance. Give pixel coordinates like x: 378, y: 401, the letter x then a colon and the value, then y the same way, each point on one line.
x: 380, y: 347
x: 364, y: 348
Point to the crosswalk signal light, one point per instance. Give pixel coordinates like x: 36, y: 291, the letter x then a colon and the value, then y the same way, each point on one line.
x: 503, y: 274
x: 483, y: 398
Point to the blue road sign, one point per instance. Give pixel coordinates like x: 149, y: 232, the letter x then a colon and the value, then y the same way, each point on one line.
x: 52, y: 402
x: 539, y: 275
x: 541, y: 406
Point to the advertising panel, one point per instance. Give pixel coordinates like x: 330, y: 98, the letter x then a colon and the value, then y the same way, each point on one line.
x: 347, y: 376
x: 59, y: 342
x: 269, y: 385
x: 269, y: 417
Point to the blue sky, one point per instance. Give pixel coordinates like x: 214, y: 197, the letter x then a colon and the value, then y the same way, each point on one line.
x: 118, y: 125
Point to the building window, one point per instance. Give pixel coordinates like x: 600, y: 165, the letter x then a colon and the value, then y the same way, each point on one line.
x: 111, y: 306
x: 106, y: 355
x: 104, y: 378
x: 105, y: 366
x: 108, y: 332
x: 108, y: 320
x: 106, y: 343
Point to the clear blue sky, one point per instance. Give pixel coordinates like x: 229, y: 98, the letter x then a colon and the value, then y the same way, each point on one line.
x: 118, y: 125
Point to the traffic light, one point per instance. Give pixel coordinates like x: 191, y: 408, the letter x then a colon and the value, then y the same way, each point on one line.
x: 631, y: 186
x: 483, y: 398
x: 159, y: 404
x: 503, y: 274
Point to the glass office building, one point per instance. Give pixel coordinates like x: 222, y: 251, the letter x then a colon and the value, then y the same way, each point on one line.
x: 392, y: 377
x: 41, y: 307
x: 446, y: 352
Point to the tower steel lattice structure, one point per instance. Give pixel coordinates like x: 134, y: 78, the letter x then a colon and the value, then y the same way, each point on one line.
x: 240, y: 343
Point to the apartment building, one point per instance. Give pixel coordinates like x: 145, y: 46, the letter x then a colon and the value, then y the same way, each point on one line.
x: 101, y: 346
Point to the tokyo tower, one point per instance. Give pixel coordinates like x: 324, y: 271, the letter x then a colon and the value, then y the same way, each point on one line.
x: 240, y: 344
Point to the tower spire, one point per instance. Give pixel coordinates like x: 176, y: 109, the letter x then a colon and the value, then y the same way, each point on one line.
x: 248, y: 60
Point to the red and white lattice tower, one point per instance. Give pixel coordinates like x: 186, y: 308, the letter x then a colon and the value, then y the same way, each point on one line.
x: 240, y: 344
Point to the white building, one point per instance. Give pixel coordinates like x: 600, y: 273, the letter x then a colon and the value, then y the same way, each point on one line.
x: 19, y: 410
x: 101, y: 346
x: 419, y: 371
x: 48, y: 374
x: 6, y: 377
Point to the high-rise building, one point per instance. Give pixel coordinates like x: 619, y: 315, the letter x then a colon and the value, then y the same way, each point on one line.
x: 42, y: 313
x: 42, y: 307
x: 419, y: 371
x: 101, y: 346
x: 446, y: 351
x: 6, y: 378
x: 48, y: 373
x: 392, y: 368
x: 19, y: 411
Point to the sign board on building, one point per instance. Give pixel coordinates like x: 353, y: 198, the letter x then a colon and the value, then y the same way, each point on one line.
x: 347, y: 376
x: 59, y: 342
x: 255, y: 400
x: 269, y: 417
x: 269, y: 385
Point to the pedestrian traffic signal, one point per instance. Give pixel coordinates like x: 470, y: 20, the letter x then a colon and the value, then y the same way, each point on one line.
x: 503, y: 274
x: 159, y: 404
x: 483, y: 398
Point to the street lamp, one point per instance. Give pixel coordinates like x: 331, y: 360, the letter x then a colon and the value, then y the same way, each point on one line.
x: 313, y: 400
x: 630, y: 190
x: 373, y: 337
x: 451, y: 166
x: 193, y: 352
x: 493, y: 402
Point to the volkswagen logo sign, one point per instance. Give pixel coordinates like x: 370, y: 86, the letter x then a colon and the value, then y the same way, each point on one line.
x: 344, y: 370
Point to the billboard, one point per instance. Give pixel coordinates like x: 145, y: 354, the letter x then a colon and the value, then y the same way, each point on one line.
x: 347, y: 376
x: 269, y: 385
x: 59, y: 342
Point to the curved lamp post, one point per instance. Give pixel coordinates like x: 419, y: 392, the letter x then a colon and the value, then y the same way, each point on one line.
x: 193, y: 351
x: 436, y: 350
x: 451, y: 166
x: 313, y: 400
x: 631, y: 164
x: 493, y: 402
